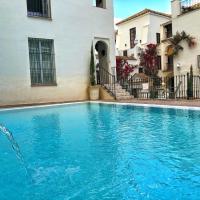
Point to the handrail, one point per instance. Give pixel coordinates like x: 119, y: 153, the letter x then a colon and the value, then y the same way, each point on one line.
x: 126, y: 83
x: 108, y: 81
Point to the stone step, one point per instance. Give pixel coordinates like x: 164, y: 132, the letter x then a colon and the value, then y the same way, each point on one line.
x: 124, y: 98
x: 121, y: 93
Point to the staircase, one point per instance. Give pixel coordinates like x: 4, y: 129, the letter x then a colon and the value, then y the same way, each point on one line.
x: 120, y: 93
x: 108, y: 81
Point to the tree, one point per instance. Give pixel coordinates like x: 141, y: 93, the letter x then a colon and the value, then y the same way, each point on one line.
x: 148, y: 60
x: 176, y: 40
x: 92, y: 68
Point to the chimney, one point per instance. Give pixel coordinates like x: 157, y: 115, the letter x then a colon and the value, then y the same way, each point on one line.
x: 176, y: 8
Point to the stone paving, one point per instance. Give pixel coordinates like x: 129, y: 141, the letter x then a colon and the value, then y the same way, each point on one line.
x: 192, y: 103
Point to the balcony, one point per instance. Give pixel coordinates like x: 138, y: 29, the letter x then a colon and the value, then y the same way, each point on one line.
x: 189, y: 5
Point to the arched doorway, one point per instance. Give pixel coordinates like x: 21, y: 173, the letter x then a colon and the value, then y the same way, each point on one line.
x: 102, y: 66
x: 102, y: 54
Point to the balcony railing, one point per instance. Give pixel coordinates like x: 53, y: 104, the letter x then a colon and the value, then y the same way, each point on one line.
x: 189, y: 5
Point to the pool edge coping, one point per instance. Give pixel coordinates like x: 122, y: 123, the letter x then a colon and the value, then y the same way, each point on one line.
x: 101, y: 102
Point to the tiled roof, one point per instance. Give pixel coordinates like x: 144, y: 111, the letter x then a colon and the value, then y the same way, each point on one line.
x: 144, y: 12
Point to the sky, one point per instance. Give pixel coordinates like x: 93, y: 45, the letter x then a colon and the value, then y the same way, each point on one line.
x: 125, y: 8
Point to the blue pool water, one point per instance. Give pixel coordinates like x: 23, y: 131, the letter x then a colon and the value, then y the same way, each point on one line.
x: 101, y: 152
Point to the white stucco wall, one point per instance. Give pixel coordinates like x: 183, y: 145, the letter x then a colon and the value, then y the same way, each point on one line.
x: 74, y: 25
x: 146, y: 28
x: 142, y: 30
x: 189, y: 23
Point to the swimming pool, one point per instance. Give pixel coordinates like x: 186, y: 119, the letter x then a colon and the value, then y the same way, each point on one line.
x: 94, y: 151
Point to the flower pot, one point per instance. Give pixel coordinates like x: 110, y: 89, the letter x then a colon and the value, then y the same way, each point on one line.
x: 94, y: 93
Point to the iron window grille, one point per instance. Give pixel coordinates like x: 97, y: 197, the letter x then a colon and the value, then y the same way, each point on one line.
x: 39, y: 8
x: 42, y: 62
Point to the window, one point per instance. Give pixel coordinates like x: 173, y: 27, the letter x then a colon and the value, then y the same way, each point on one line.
x: 132, y: 37
x: 39, y: 8
x: 99, y: 3
x: 125, y: 53
x: 170, y: 64
x: 42, y: 63
x: 140, y: 70
x: 158, y: 38
x: 168, y: 30
x: 198, y: 61
x: 159, y: 62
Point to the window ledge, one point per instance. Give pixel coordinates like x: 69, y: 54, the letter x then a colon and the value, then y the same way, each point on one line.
x: 44, y: 85
x: 40, y: 17
x: 100, y: 7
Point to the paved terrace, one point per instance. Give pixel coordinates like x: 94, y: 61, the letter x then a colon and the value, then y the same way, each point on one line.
x: 192, y: 103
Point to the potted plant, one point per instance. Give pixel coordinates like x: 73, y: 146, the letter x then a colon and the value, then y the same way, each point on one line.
x: 93, y: 88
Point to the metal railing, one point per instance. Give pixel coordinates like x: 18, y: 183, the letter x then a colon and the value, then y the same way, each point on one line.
x: 108, y: 81
x: 178, y: 87
x: 189, y: 5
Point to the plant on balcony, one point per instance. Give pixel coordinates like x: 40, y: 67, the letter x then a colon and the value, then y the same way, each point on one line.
x: 174, y: 48
x: 191, y: 7
x: 148, y: 59
x: 123, y: 68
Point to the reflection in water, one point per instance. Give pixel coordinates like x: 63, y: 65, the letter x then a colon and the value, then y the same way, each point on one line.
x: 47, y: 130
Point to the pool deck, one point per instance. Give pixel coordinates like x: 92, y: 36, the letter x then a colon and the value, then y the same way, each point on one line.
x: 181, y: 103
x: 189, y: 103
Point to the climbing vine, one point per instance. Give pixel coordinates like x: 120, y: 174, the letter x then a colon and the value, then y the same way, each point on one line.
x: 123, y: 68
x: 148, y: 60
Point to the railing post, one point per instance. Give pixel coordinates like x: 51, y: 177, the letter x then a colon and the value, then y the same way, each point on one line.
x: 114, y: 87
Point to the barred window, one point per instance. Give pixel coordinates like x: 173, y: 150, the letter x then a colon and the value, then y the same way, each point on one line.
x: 42, y: 62
x: 39, y: 8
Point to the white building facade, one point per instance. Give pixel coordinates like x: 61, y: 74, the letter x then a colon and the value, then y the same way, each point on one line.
x: 45, y: 48
x: 185, y: 17
x: 138, y: 31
